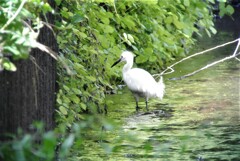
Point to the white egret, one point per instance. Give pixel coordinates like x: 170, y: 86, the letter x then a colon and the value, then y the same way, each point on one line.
x: 139, y: 81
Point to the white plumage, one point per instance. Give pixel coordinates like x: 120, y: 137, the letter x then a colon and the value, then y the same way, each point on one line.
x: 139, y: 81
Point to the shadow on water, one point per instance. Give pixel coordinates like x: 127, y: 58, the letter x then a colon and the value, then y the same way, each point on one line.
x: 198, y: 119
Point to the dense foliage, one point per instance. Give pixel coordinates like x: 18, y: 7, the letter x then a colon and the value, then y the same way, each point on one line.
x: 20, y: 24
x: 40, y: 145
x: 93, y: 34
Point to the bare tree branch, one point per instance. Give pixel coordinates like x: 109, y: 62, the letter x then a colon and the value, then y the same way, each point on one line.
x: 237, y: 58
x: 46, y: 49
x: 35, y: 63
x: 235, y: 52
x: 207, y: 66
x: 234, y: 55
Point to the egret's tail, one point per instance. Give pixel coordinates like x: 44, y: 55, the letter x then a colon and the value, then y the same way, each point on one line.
x: 160, y: 88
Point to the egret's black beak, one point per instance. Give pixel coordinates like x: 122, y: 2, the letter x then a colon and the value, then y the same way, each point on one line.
x: 119, y: 60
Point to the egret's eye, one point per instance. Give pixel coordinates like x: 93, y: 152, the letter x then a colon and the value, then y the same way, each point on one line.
x: 122, y: 58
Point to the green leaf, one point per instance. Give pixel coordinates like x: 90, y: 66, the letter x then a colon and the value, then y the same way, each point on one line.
x: 9, y: 65
x: 105, y: 20
x: 66, y: 99
x: 59, y: 101
x: 213, y: 30
x: 64, y: 12
x: 49, y: 143
x: 77, y: 18
x: 76, y: 91
x: 63, y: 110
x: 130, y: 38
x: 65, y: 148
x: 178, y: 24
x: 66, y: 88
x: 129, y: 22
x: 208, y: 33
x: 134, y: 47
x: 70, y: 14
x: 229, y: 9
x: 20, y: 40
x: 91, y: 78
x: 104, y: 42
x: 12, y: 49
x: 46, y: 8
x: 221, y: 13
x: 75, y: 99
x: 83, y: 106
x: 58, y: 2
x: 168, y: 20
x: 125, y: 36
x: 83, y: 35
x: 148, y: 51
x: 222, y: 6
x: 108, y: 29
x: 79, y: 33
x: 129, y: 42
x: 152, y: 58
x: 186, y: 3
x: 142, y: 58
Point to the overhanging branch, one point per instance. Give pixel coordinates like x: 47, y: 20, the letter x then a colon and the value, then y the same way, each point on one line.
x: 234, y: 55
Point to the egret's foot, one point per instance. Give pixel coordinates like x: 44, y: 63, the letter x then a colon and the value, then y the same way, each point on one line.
x: 137, y: 108
x: 147, y: 109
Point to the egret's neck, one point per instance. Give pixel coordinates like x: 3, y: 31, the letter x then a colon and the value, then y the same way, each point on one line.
x: 127, y: 66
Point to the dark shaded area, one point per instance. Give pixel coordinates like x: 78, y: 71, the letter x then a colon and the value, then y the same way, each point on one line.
x: 230, y: 23
x: 28, y: 94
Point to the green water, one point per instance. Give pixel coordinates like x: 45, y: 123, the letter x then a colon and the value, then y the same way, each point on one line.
x: 199, y: 116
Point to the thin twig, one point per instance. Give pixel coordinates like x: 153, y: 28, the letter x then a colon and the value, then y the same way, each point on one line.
x: 159, y: 75
x: 15, y: 15
x: 235, y: 52
x: 199, y: 53
x: 234, y: 55
x: 237, y: 58
x: 35, y: 63
x: 30, y: 28
x: 205, y: 67
x: 45, y: 48
x: 114, y: 5
x: 50, y: 27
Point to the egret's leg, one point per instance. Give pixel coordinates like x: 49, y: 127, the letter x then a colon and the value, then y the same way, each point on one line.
x: 136, y: 99
x: 137, y: 107
x: 146, y: 105
x: 146, y: 101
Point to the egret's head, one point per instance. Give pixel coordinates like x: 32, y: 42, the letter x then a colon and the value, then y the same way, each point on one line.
x: 125, y: 56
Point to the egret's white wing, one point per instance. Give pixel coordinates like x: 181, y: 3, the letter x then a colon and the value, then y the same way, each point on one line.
x: 139, y: 80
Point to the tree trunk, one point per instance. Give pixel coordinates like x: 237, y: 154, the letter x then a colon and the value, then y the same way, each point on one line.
x: 28, y: 94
